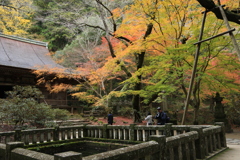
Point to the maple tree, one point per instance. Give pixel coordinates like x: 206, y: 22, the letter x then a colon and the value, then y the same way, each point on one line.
x: 15, y: 17
x: 133, y: 50
x: 96, y: 75
x: 149, y: 44
x: 86, y: 58
x: 174, y: 58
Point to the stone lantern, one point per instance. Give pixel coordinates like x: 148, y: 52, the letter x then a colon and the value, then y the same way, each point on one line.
x: 219, y: 114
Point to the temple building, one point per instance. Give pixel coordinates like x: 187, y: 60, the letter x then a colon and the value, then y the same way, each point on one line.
x: 19, y: 57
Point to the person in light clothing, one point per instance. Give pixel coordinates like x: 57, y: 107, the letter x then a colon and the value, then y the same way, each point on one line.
x: 149, y: 119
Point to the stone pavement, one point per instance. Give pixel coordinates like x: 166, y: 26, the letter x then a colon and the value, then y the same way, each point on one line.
x: 233, y: 153
x: 232, y: 141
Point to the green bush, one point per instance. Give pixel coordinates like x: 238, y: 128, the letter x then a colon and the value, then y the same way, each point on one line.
x: 126, y: 111
x: 23, y: 106
x: 91, y: 118
x: 100, y: 122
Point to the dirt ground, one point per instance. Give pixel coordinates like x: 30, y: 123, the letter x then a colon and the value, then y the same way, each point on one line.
x: 119, y: 120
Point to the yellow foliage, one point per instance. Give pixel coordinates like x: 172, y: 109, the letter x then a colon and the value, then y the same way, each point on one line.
x: 15, y: 19
x: 84, y: 96
x: 60, y: 88
x: 171, y: 20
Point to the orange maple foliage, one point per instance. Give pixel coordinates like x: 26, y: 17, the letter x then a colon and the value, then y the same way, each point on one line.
x: 148, y: 44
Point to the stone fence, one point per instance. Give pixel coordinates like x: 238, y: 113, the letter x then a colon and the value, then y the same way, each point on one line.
x: 181, y: 142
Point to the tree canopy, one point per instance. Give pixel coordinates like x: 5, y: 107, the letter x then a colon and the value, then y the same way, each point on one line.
x: 142, y: 49
x: 15, y: 16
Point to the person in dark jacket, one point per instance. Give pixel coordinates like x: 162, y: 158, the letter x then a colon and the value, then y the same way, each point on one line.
x: 110, y: 118
x: 161, y: 117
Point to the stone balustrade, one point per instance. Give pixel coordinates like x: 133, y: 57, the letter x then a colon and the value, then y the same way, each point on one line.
x: 181, y: 142
x: 132, y: 132
x: 6, y: 137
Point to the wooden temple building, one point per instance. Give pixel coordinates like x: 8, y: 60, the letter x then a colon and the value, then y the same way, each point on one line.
x: 18, y: 58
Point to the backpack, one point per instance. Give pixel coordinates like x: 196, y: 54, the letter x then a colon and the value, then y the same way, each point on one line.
x: 167, y: 119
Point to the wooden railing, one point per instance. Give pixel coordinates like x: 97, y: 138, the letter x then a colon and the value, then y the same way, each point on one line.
x: 174, y: 141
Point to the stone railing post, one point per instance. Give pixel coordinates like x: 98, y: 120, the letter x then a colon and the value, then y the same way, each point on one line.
x: 168, y: 131
x: 18, y: 135
x: 222, y: 134
x: 85, y: 131
x: 199, y: 143
x: 105, y: 131
x: 10, y: 146
x: 161, y: 139
x: 70, y: 155
x: 133, y: 133
x: 56, y: 134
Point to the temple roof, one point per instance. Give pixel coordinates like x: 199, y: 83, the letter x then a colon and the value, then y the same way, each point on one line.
x: 24, y: 53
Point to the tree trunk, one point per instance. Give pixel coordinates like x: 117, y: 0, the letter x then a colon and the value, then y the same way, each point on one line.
x: 196, y: 109
x: 136, y: 107
x: 136, y: 100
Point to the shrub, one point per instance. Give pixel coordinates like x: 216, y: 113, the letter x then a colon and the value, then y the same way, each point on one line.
x: 126, y: 111
x: 22, y: 106
x: 100, y: 122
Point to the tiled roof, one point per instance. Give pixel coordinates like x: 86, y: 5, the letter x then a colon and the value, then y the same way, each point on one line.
x: 24, y: 53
